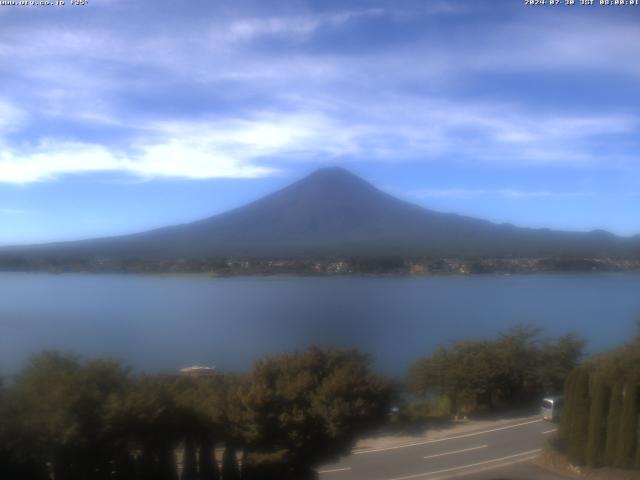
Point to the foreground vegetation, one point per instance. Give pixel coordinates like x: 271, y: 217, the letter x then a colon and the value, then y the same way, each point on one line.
x: 514, y: 370
x: 72, y: 419
x: 75, y: 419
x: 601, y: 423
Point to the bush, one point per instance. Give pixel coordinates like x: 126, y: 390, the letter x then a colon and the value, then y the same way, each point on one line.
x: 266, y: 466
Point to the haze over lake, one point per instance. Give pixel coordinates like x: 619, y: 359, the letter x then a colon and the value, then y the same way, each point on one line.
x: 157, y: 323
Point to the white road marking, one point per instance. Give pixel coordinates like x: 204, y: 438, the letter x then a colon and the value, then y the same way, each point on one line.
x: 456, y: 451
x: 426, y: 442
x: 333, y: 470
x: 549, y: 431
x: 495, y: 466
x: 525, y: 456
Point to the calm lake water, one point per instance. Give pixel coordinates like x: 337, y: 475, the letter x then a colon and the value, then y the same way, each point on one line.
x: 163, y: 323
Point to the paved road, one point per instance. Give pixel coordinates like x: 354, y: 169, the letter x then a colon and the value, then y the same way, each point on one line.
x: 503, y: 452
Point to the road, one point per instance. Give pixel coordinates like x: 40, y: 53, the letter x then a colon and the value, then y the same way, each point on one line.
x: 503, y: 452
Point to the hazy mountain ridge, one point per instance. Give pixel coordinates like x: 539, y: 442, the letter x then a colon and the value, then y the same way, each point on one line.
x: 334, y: 212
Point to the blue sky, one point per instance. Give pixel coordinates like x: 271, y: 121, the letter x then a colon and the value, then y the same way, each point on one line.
x: 121, y: 116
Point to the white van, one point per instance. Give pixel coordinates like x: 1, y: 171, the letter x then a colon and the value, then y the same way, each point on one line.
x: 551, y: 408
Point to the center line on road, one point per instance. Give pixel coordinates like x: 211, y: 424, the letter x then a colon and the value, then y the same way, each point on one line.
x: 426, y: 442
x: 550, y: 431
x: 333, y: 470
x: 457, y: 451
x: 525, y: 455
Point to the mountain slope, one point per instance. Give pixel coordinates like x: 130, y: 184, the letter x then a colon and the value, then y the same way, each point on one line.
x: 333, y: 212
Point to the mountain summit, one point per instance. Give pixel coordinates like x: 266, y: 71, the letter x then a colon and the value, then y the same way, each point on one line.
x: 334, y: 212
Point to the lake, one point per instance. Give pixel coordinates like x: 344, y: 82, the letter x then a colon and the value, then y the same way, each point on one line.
x: 157, y: 323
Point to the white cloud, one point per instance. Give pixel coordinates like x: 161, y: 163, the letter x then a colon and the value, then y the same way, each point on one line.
x: 230, y: 148
x: 389, y: 131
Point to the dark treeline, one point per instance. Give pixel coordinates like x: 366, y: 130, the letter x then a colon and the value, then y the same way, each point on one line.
x: 514, y: 370
x: 326, y: 265
x: 71, y: 419
x: 601, y: 423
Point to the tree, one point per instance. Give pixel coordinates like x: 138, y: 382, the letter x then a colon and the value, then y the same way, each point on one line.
x: 61, y: 404
x: 17, y: 460
x: 521, y: 358
x: 311, y: 404
x: 598, y: 423
x: 516, y: 369
x: 149, y: 417
x: 627, y: 438
x: 566, y: 420
x: 578, y: 434
x: 558, y: 357
x: 613, y: 424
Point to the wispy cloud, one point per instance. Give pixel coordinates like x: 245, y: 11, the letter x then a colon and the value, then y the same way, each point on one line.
x: 13, y: 211
x: 11, y: 117
x: 244, y: 95
x: 297, y: 25
x: 255, y: 145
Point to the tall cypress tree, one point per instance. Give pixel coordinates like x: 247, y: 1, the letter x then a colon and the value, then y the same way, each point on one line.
x: 565, y: 420
x: 598, y: 422
x: 636, y: 462
x: 627, y: 438
x: 578, y: 433
x: 613, y: 424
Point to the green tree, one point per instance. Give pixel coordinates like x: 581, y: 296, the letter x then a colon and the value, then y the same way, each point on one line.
x: 61, y: 404
x: 311, y: 404
x: 580, y: 402
x: 598, y: 422
x: 558, y: 357
x: 149, y: 417
x: 520, y: 354
x: 516, y: 369
x: 627, y: 437
x: 613, y: 424
x: 566, y: 420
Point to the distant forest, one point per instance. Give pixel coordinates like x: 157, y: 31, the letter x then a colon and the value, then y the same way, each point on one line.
x: 359, y: 265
